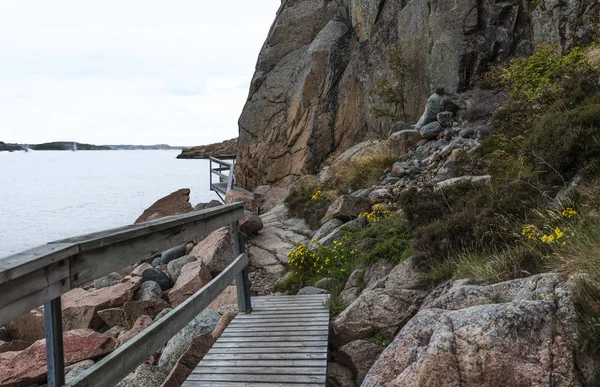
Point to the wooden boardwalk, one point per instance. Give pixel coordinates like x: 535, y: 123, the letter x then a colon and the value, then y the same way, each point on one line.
x: 283, y: 342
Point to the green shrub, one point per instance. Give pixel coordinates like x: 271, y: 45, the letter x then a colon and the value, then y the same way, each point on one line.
x: 361, y: 173
x: 308, y: 200
x: 564, y: 143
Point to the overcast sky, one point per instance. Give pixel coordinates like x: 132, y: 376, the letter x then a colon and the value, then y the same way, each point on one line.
x: 127, y: 71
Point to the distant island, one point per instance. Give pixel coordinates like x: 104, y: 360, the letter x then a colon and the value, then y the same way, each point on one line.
x: 68, y: 145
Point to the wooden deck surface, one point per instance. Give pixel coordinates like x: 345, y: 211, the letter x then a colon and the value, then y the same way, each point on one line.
x: 283, y: 342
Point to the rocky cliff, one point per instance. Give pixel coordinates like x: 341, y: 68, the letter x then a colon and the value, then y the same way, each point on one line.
x: 225, y: 148
x: 312, y: 93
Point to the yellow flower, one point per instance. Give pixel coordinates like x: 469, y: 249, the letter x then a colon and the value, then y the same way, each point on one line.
x: 569, y: 212
x: 559, y: 233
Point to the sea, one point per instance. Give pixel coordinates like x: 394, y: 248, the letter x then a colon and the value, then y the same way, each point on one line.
x: 52, y: 195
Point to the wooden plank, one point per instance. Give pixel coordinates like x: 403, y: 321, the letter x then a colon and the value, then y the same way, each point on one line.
x: 273, y: 338
x: 33, y: 282
x: 262, y: 363
x: 265, y: 356
x: 118, y: 364
x: 253, y: 344
x: 278, y: 323
x: 285, y: 315
x: 109, y: 252
x: 317, y: 379
x: 23, y: 305
x: 244, y: 384
x: 200, y: 370
x: 243, y: 329
x: 262, y: 351
x: 289, y: 311
x: 272, y: 333
x: 15, y: 266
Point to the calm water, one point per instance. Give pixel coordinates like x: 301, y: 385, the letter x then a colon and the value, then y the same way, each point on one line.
x: 45, y: 196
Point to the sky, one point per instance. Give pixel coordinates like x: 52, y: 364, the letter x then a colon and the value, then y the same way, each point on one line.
x: 127, y: 71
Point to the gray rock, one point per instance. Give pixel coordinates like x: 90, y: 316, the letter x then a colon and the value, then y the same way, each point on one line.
x: 205, y: 322
x: 339, y: 376
x: 148, y: 291
x: 140, y: 269
x: 446, y: 119
x: 157, y: 262
x: 431, y: 130
x: 205, y: 206
x: 326, y: 229
x: 107, y: 280
x: 147, y: 375
x: 115, y: 331
x: 162, y: 314
x: 399, y: 169
x: 400, y: 125
x: 466, y: 133
x: 434, y: 106
x: 77, y: 369
x: 310, y: 290
x: 174, y: 267
x: 157, y: 276
x: 359, y: 356
x: 339, y: 232
x: 325, y: 283
x: 174, y: 253
x: 346, y: 208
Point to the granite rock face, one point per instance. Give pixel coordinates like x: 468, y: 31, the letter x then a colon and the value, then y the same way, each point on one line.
x: 516, y: 333
x: 175, y: 203
x: 310, y: 94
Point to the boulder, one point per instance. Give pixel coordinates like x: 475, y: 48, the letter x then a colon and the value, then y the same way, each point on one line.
x: 400, y: 126
x: 77, y: 369
x: 354, y: 285
x: 339, y: 232
x: 115, y: 331
x: 325, y: 283
x: 135, y: 309
x: 326, y: 229
x: 147, y: 291
x: 215, y: 251
x: 227, y: 297
x: 162, y: 314
x: 431, y: 130
x: 174, y: 267
x: 204, y: 323
x: 28, y: 327
x: 474, y: 180
x: 520, y: 332
x: 311, y: 290
x: 434, y: 106
x: 189, y: 360
x: 13, y: 346
x: 107, y: 280
x: 346, y: 208
x: 339, y: 376
x: 205, y: 206
x: 446, y: 119
x: 137, y: 272
x: 113, y: 317
x: 359, y: 356
x: 157, y: 276
x: 147, y: 375
x: 193, y: 277
x: 251, y: 224
x: 140, y: 324
x: 376, y: 272
x: 29, y: 366
x: 377, y: 311
x: 173, y: 253
x: 174, y: 204
x: 234, y: 196
x: 80, y: 308
x: 223, y: 323
x: 399, y: 169
x: 267, y: 197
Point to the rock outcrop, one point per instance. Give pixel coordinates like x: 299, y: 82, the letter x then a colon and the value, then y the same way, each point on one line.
x: 312, y: 91
x: 516, y: 333
x: 173, y: 204
x: 218, y: 150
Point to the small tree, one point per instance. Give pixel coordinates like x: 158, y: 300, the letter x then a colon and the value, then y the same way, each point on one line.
x: 393, y: 92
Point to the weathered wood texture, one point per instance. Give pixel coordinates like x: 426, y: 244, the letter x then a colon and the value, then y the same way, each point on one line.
x: 114, y: 367
x: 39, y: 275
x: 268, y: 348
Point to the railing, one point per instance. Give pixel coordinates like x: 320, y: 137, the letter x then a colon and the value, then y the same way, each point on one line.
x: 40, y: 275
x: 225, y: 181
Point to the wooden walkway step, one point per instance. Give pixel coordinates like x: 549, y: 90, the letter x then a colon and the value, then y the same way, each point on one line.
x: 283, y: 342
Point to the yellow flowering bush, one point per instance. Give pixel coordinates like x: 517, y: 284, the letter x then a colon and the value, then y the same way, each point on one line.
x: 321, y: 262
x: 552, y: 232
x: 378, y: 212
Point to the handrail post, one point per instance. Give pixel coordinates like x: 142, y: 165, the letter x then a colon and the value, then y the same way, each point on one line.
x: 242, y: 281
x: 54, y: 343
